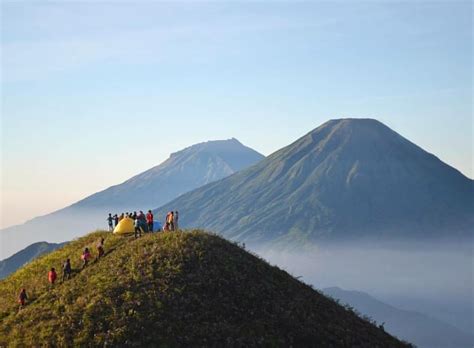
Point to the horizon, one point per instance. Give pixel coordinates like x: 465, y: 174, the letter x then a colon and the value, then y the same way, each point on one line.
x: 100, y: 83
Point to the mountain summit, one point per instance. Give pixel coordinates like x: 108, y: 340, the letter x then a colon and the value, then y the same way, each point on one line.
x: 183, y: 171
x: 347, y: 179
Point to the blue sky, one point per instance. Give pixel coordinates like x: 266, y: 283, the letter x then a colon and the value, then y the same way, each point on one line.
x: 95, y: 92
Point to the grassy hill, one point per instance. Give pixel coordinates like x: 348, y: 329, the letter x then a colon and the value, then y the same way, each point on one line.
x: 174, y: 289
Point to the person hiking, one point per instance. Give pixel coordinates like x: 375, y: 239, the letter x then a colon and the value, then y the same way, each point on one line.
x: 52, y: 276
x: 149, y: 221
x: 171, y: 221
x: 175, y: 218
x: 67, y: 269
x: 22, y: 298
x: 116, y: 220
x: 100, y: 248
x: 137, y: 227
x: 86, y: 255
x: 134, y: 215
x: 110, y: 220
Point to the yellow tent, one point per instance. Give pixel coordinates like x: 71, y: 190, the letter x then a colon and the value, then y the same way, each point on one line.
x: 126, y: 225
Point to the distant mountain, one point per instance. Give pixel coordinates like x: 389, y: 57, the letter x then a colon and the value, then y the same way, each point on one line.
x: 185, y: 170
x: 348, y: 179
x: 189, y: 289
x: 423, y: 331
x: 24, y: 256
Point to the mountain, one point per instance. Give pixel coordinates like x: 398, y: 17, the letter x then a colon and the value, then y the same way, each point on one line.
x: 349, y: 179
x: 423, y: 331
x: 185, y: 170
x: 178, y: 289
x: 24, y: 256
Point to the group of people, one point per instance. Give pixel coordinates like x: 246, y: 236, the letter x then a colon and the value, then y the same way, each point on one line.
x: 140, y: 220
x: 86, y: 256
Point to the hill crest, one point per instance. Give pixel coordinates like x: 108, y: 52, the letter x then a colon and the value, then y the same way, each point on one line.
x: 175, y: 289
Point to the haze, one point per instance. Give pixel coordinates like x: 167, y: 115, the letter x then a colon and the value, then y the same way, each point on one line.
x: 93, y: 93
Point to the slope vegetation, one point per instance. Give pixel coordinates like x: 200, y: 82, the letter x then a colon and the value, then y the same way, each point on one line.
x: 175, y: 289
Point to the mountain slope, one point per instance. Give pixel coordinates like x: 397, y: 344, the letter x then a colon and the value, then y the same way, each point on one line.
x: 185, y: 170
x: 423, y: 331
x: 24, y: 256
x: 349, y: 178
x: 175, y: 289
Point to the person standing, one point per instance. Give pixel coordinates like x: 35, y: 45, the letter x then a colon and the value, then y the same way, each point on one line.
x: 149, y: 221
x: 67, y: 269
x: 110, y: 220
x: 52, y: 276
x: 176, y: 217
x: 138, y: 231
x: 171, y: 221
x: 22, y: 298
x: 116, y: 220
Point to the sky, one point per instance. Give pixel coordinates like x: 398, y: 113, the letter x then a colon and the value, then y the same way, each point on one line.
x: 93, y: 93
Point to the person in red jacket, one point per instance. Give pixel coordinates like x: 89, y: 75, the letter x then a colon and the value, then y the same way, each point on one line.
x: 22, y: 298
x: 149, y: 221
x: 86, y: 255
x: 52, y: 276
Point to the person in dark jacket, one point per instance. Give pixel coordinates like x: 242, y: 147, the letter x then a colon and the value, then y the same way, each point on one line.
x: 67, y: 269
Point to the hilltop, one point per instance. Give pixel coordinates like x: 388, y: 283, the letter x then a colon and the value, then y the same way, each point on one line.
x: 175, y: 289
x: 183, y: 171
x: 349, y: 179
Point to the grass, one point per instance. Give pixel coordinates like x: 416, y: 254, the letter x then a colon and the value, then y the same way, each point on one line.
x: 174, y: 289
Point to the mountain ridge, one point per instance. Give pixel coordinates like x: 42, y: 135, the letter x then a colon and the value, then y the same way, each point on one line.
x: 415, y: 327
x: 340, y: 180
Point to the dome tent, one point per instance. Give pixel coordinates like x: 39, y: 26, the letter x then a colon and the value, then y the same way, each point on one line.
x: 126, y: 225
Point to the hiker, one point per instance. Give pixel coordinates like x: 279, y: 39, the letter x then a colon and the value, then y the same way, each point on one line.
x: 171, y: 221
x: 67, y: 269
x: 52, y: 275
x: 22, y: 298
x: 100, y: 248
x: 175, y: 218
x: 149, y: 221
x: 110, y: 220
x: 134, y: 215
x: 86, y: 255
x: 121, y: 217
x: 116, y: 220
x: 168, y: 222
x: 137, y: 227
